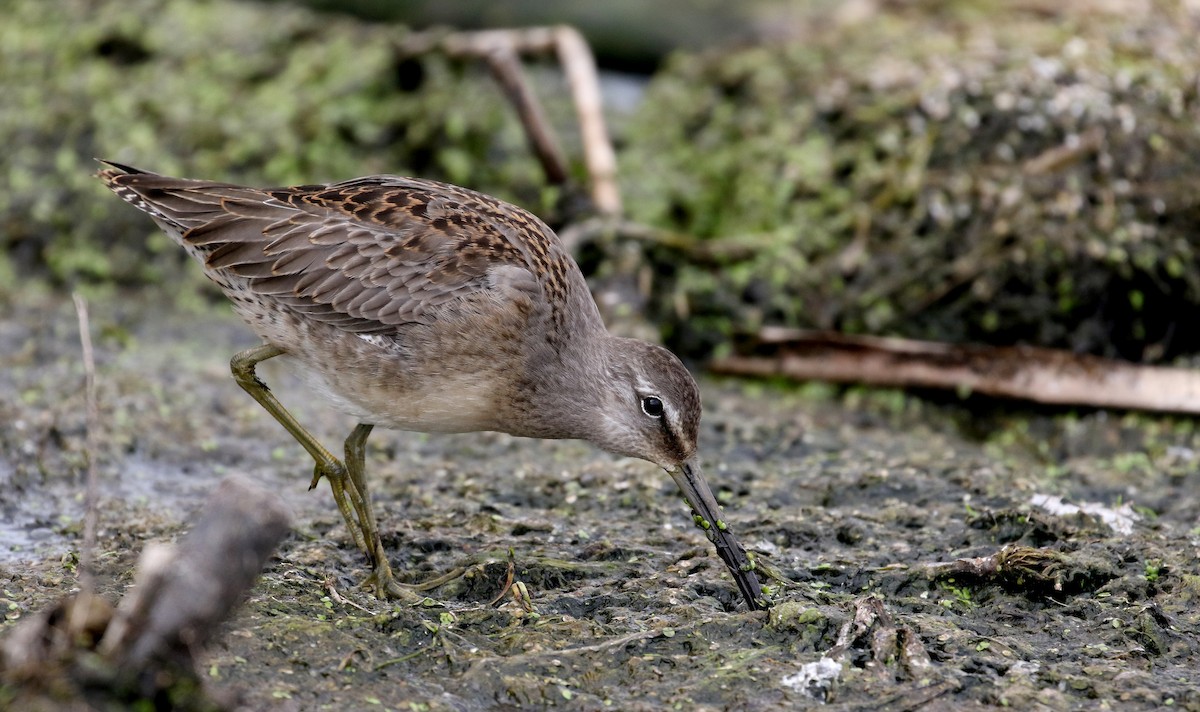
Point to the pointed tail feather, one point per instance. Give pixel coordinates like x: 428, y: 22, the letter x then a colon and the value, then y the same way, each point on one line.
x: 122, y: 180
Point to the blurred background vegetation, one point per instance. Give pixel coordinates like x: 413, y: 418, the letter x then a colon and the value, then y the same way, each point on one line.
x: 973, y: 170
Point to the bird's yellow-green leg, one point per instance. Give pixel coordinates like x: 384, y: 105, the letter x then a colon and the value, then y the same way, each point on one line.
x: 346, y: 493
x: 385, y: 583
x: 347, y: 481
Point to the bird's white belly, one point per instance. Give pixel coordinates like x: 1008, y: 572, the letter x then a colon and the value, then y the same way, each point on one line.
x: 458, y: 403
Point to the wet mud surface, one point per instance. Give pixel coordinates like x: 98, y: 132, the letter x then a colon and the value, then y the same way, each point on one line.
x: 934, y: 558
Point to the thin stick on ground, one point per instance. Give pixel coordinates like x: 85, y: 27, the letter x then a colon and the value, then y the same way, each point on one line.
x: 86, y: 553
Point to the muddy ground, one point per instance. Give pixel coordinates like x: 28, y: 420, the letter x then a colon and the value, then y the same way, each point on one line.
x: 856, y: 496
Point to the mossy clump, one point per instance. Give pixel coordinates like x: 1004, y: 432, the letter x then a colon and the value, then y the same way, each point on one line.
x: 994, y: 178
x: 219, y: 89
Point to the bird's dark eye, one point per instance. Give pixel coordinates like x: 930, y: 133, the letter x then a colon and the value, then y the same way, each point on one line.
x: 652, y: 406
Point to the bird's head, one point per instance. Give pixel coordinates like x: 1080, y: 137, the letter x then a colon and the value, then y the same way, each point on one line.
x: 650, y: 408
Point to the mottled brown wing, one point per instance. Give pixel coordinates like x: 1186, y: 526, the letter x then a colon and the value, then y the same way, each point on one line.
x: 365, y: 255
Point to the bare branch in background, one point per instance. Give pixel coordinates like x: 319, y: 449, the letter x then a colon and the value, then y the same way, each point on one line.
x: 577, y: 62
x: 506, y: 69
x: 501, y: 48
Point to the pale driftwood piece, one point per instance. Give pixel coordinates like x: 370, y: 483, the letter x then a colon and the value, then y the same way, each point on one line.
x: 1023, y: 372
x: 184, y: 591
x: 579, y: 67
x: 895, y: 652
x: 81, y: 654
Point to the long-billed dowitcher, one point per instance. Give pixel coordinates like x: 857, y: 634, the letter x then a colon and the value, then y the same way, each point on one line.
x: 418, y: 305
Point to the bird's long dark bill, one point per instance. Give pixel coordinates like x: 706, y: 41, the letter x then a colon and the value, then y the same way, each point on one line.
x: 708, y: 517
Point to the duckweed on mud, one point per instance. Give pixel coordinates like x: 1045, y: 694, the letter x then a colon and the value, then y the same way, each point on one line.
x: 905, y: 526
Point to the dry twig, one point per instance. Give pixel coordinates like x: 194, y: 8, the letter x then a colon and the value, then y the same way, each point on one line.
x: 93, y: 422
x: 1021, y: 565
x: 508, y: 581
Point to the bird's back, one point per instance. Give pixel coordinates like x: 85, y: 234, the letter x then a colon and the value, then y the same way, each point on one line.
x: 391, y: 291
x: 364, y: 255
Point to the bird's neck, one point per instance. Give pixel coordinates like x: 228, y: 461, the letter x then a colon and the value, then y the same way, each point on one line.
x: 564, y: 386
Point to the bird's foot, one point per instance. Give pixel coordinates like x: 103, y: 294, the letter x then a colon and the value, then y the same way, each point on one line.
x: 387, y: 588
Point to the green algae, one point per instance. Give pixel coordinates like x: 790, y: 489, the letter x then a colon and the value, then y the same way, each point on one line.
x: 1000, y: 181
x: 217, y: 89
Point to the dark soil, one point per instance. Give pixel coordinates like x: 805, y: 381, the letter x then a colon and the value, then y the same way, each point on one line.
x: 867, y: 501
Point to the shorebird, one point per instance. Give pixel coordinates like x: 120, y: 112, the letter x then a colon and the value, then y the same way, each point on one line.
x: 418, y: 305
